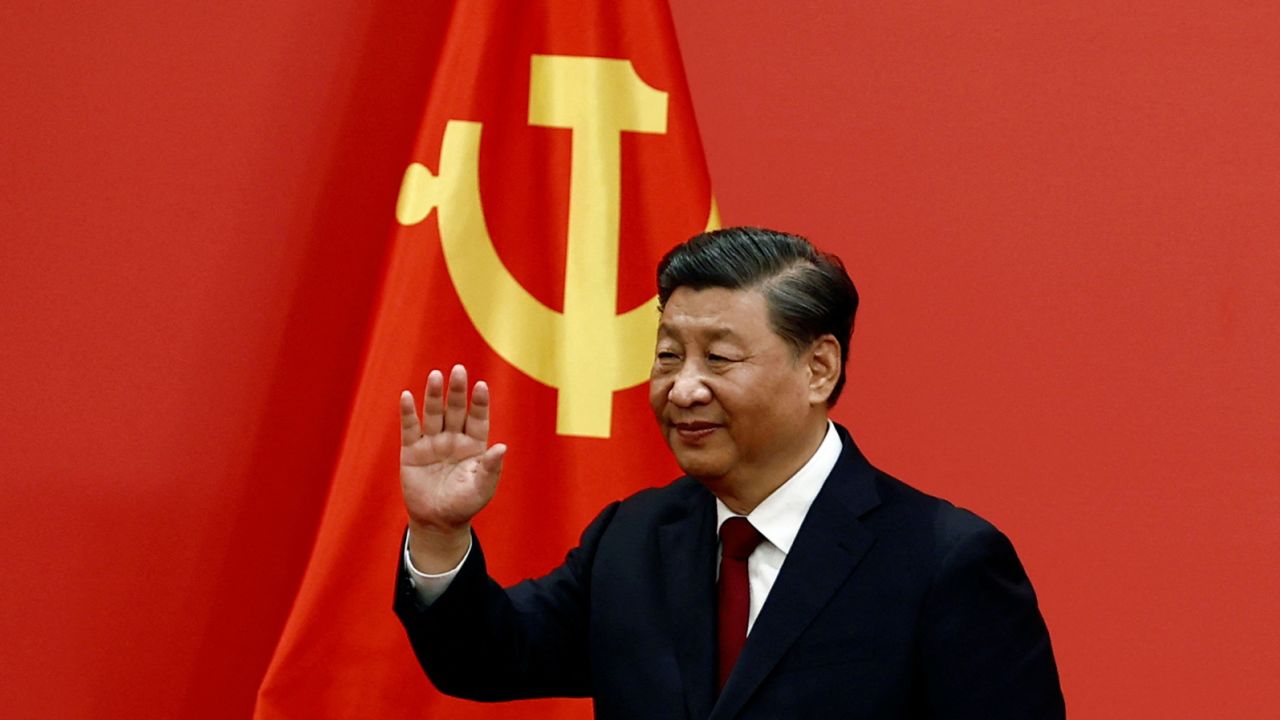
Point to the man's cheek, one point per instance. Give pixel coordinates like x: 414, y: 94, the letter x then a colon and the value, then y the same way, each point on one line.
x: 658, y: 391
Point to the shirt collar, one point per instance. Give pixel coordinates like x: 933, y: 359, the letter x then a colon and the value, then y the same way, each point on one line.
x: 778, y: 516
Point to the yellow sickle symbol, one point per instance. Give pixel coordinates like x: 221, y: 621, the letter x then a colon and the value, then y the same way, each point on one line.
x: 587, y: 352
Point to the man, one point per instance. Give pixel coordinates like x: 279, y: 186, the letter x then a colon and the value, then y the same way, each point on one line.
x: 783, y: 577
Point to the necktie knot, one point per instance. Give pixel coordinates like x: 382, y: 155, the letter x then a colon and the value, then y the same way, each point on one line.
x: 738, y: 538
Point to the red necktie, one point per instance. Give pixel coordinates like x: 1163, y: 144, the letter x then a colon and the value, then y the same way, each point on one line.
x: 737, y: 540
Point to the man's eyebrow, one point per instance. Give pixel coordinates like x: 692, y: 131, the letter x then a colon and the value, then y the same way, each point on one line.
x: 719, y: 332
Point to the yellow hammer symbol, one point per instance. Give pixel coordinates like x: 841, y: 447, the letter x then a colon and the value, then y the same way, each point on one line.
x: 587, y: 352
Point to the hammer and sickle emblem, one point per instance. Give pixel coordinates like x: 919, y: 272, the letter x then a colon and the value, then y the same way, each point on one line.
x: 587, y: 352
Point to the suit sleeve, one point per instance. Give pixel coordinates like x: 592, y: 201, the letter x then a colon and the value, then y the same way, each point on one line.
x: 985, y: 647
x: 483, y: 642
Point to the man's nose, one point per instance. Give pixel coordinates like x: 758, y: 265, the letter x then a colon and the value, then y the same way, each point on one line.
x: 688, y: 388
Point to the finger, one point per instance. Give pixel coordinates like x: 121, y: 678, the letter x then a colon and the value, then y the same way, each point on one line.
x: 433, y: 403
x: 455, y: 400
x: 410, y: 430
x: 478, y: 415
x: 491, y: 461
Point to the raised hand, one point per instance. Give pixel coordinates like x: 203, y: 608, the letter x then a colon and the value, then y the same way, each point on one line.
x: 447, y: 473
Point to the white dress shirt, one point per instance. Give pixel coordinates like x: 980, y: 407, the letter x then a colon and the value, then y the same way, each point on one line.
x: 777, y: 518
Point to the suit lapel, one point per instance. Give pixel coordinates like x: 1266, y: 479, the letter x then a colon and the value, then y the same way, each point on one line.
x: 688, y: 556
x: 828, y: 547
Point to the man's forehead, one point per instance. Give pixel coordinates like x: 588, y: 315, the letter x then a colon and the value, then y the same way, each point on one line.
x: 713, y: 313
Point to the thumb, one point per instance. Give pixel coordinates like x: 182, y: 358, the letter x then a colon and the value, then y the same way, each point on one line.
x: 491, y: 461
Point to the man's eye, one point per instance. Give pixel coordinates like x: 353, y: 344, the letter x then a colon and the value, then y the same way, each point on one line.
x: 718, y: 358
x: 666, y: 356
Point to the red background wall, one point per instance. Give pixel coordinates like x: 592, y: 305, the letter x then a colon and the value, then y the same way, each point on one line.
x: 1064, y: 221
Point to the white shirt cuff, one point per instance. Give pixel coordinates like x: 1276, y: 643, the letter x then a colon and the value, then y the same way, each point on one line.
x: 431, y: 587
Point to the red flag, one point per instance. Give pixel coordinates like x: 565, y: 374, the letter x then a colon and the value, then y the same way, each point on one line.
x: 558, y: 159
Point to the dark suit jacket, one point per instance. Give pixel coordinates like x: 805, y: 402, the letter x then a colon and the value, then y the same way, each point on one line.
x: 891, y: 604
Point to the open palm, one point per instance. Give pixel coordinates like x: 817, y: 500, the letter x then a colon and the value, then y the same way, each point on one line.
x: 447, y: 473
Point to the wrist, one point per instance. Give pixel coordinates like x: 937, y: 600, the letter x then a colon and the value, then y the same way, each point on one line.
x: 436, y: 550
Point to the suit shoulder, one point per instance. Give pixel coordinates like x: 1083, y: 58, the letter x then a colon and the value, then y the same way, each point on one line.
x: 674, y: 498
x: 948, y: 522
x: 897, y: 505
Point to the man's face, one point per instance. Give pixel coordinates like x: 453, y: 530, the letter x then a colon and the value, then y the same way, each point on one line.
x: 732, y: 399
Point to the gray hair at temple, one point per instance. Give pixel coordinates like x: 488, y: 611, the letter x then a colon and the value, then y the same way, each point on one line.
x: 807, y: 291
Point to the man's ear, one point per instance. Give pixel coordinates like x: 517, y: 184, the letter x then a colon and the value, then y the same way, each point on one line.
x: 824, y: 368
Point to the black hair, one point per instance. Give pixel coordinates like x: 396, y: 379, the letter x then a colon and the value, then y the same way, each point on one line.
x: 808, y: 292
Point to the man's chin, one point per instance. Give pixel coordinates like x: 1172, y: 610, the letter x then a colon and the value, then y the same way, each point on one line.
x: 697, y: 465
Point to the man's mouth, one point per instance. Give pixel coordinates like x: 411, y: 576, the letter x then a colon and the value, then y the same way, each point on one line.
x: 694, y: 430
